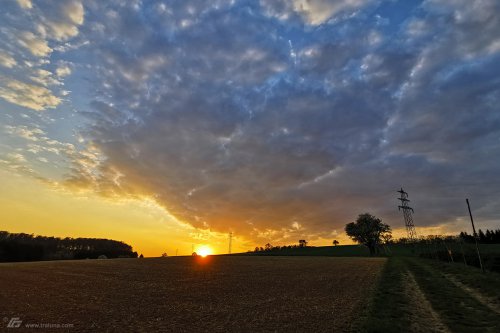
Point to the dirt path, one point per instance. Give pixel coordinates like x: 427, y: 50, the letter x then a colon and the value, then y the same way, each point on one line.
x: 489, y: 302
x: 425, y: 319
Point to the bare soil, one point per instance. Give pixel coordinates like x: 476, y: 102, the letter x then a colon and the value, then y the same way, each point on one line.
x: 186, y: 294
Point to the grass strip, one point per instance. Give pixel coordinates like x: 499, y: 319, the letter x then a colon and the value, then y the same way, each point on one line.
x: 457, y: 309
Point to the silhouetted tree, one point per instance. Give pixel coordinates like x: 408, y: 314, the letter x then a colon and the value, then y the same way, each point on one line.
x: 482, y: 236
x: 367, y: 230
x: 268, y: 247
x: 24, y: 247
x: 335, y: 242
x: 302, y: 243
x: 488, y: 237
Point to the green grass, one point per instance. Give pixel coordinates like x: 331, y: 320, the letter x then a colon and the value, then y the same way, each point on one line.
x: 488, y: 282
x: 393, y: 308
x: 457, y: 308
x: 327, y: 251
x: 389, y: 306
x: 490, y: 252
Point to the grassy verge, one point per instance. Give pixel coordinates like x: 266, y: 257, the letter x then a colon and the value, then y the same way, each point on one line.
x: 389, y: 307
x: 458, y: 309
x: 417, y: 295
x: 326, y: 251
x: 487, y: 283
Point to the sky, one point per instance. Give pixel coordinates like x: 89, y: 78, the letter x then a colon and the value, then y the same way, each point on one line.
x: 170, y: 124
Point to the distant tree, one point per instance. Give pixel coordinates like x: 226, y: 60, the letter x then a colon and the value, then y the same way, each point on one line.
x: 488, y: 235
x: 194, y: 254
x: 141, y: 256
x: 335, y: 242
x: 482, y: 236
x: 302, y: 243
x: 268, y: 247
x: 164, y: 255
x: 367, y: 230
x: 257, y: 249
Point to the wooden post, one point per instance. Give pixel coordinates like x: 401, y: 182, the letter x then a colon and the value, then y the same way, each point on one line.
x: 448, y: 250
x: 462, y: 249
x: 475, y: 236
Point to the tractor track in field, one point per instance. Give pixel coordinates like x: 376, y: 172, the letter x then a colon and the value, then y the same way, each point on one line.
x: 417, y: 295
x: 425, y: 318
x: 489, y: 302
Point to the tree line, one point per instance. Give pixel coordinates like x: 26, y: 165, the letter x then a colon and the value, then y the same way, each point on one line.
x: 27, y: 247
x: 488, y: 237
x: 371, y: 232
x: 268, y: 247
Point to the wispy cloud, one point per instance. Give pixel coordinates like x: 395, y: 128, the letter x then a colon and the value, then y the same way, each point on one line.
x: 28, y: 95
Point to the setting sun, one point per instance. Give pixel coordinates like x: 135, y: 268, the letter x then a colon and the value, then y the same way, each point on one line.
x: 204, y: 251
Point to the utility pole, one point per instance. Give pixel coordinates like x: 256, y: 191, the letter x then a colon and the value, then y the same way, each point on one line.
x: 475, y: 236
x: 407, y: 211
x: 230, y: 241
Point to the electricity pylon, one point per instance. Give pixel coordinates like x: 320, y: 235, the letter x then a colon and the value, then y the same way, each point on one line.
x: 407, y: 214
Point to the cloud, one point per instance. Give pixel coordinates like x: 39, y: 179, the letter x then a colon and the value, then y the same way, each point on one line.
x: 44, y: 77
x: 36, y: 45
x: 25, y: 4
x: 31, y: 82
x: 7, y: 60
x: 63, y: 70
x: 61, y: 20
x: 16, y: 157
x: 319, y: 11
x: 280, y: 120
x: 52, y: 20
x: 313, y: 12
x: 28, y: 95
x: 25, y: 132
